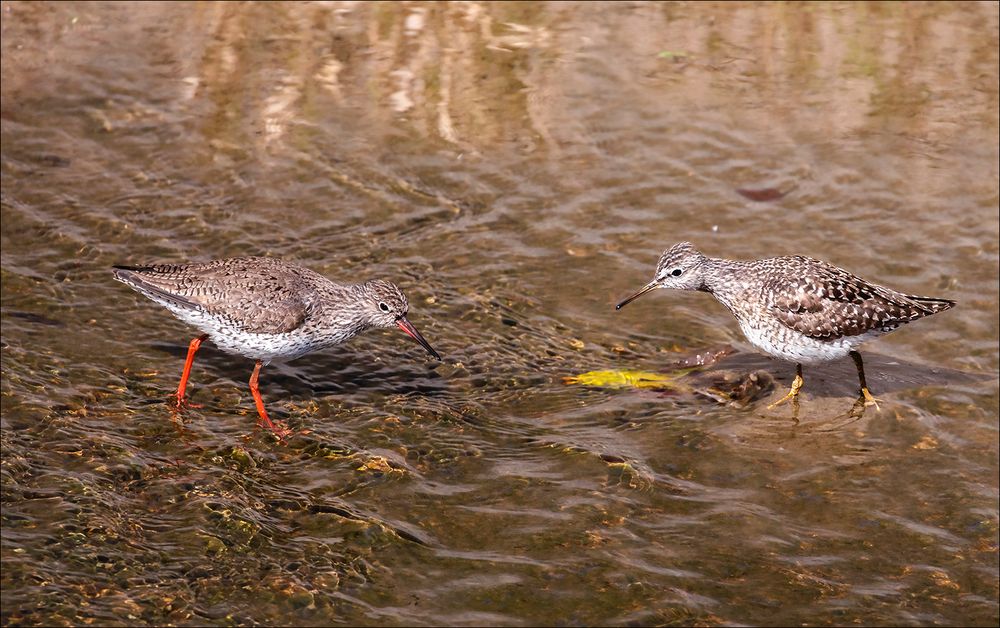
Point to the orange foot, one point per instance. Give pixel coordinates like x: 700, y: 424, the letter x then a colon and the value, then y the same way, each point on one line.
x: 179, y: 403
x: 278, y: 428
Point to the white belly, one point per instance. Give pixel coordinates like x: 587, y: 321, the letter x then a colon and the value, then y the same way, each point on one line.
x: 787, y: 344
x: 264, y: 347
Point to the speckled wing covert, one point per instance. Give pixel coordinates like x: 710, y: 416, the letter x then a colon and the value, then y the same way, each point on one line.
x: 247, y: 285
x: 825, y: 302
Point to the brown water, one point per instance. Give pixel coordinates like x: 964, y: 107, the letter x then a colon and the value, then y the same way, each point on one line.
x: 517, y: 169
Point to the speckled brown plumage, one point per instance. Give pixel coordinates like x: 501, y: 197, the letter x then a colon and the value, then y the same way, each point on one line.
x: 795, y: 308
x: 259, y: 294
x: 265, y: 309
x: 825, y: 302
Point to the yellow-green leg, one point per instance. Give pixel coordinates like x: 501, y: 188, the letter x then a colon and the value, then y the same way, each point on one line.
x: 865, y: 393
x: 793, y: 394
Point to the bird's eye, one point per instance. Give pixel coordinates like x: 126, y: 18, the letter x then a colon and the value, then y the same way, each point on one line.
x: 383, y: 307
x: 676, y: 272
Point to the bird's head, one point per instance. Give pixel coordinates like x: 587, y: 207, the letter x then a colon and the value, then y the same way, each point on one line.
x: 680, y: 267
x: 384, y: 305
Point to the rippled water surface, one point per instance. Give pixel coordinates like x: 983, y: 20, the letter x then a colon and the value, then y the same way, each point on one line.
x: 517, y: 169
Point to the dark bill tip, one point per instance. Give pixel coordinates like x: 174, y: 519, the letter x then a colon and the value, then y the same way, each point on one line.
x: 412, y: 332
x: 649, y: 286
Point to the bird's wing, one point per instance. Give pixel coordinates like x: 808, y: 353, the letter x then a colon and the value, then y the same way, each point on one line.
x: 260, y: 298
x: 827, y: 303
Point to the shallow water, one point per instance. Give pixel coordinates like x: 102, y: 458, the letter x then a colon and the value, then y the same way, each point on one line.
x: 517, y: 169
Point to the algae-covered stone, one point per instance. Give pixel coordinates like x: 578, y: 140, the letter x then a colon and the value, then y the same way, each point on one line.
x: 213, y: 544
x: 243, y: 458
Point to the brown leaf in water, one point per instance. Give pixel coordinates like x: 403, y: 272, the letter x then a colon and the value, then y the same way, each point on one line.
x: 761, y: 194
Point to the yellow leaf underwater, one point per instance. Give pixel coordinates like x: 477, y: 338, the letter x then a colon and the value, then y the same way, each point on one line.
x: 625, y: 379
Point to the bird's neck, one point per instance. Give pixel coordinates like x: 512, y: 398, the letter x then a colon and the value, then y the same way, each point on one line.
x: 342, y: 309
x: 724, y: 279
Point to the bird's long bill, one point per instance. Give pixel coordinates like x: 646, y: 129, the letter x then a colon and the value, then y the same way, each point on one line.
x: 652, y: 285
x: 412, y: 332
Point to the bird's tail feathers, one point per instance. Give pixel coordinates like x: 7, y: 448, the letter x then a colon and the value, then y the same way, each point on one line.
x: 931, y: 304
x: 132, y: 277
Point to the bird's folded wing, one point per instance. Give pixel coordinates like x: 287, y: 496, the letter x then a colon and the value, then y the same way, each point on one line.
x: 270, y: 304
x: 281, y: 313
x: 828, y: 303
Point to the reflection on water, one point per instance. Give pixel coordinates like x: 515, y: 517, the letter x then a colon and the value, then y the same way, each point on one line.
x: 516, y: 168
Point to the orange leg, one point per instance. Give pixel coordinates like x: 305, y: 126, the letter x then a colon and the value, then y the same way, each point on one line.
x: 192, y: 349
x: 255, y: 391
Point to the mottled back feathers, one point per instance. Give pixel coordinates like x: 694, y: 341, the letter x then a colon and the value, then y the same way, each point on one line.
x: 264, y: 295
x: 825, y: 302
